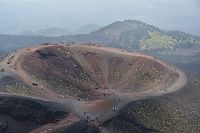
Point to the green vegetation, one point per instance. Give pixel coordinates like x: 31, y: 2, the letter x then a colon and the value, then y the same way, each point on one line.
x: 157, y: 40
x: 136, y: 35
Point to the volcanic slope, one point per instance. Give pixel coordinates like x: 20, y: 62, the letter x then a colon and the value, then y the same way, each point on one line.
x: 177, y: 112
x: 90, y: 81
x: 21, y: 115
x: 85, y: 72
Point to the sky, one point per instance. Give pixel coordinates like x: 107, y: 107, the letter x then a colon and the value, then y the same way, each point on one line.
x: 19, y: 15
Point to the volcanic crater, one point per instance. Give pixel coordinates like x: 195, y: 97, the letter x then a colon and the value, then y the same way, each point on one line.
x: 85, y: 72
x: 89, y: 82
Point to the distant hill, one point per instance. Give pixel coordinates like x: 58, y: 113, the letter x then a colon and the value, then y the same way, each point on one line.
x: 125, y: 34
x: 88, y: 28
x: 52, y: 32
x: 56, y: 32
x: 136, y: 35
x: 26, y: 33
x: 129, y: 34
x: 10, y: 43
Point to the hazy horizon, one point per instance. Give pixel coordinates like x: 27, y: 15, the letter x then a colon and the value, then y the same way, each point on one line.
x: 19, y: 15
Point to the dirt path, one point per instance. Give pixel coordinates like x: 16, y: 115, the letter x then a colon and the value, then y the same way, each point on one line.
x: 52, y: 127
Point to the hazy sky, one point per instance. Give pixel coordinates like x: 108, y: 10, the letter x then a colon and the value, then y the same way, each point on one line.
x: 18, y: 15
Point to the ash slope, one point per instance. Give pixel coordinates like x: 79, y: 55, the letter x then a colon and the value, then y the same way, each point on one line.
x: 21, y: 114
x: 175, y: 112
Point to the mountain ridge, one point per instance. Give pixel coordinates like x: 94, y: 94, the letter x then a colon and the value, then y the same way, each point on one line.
x: 131, y: 35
